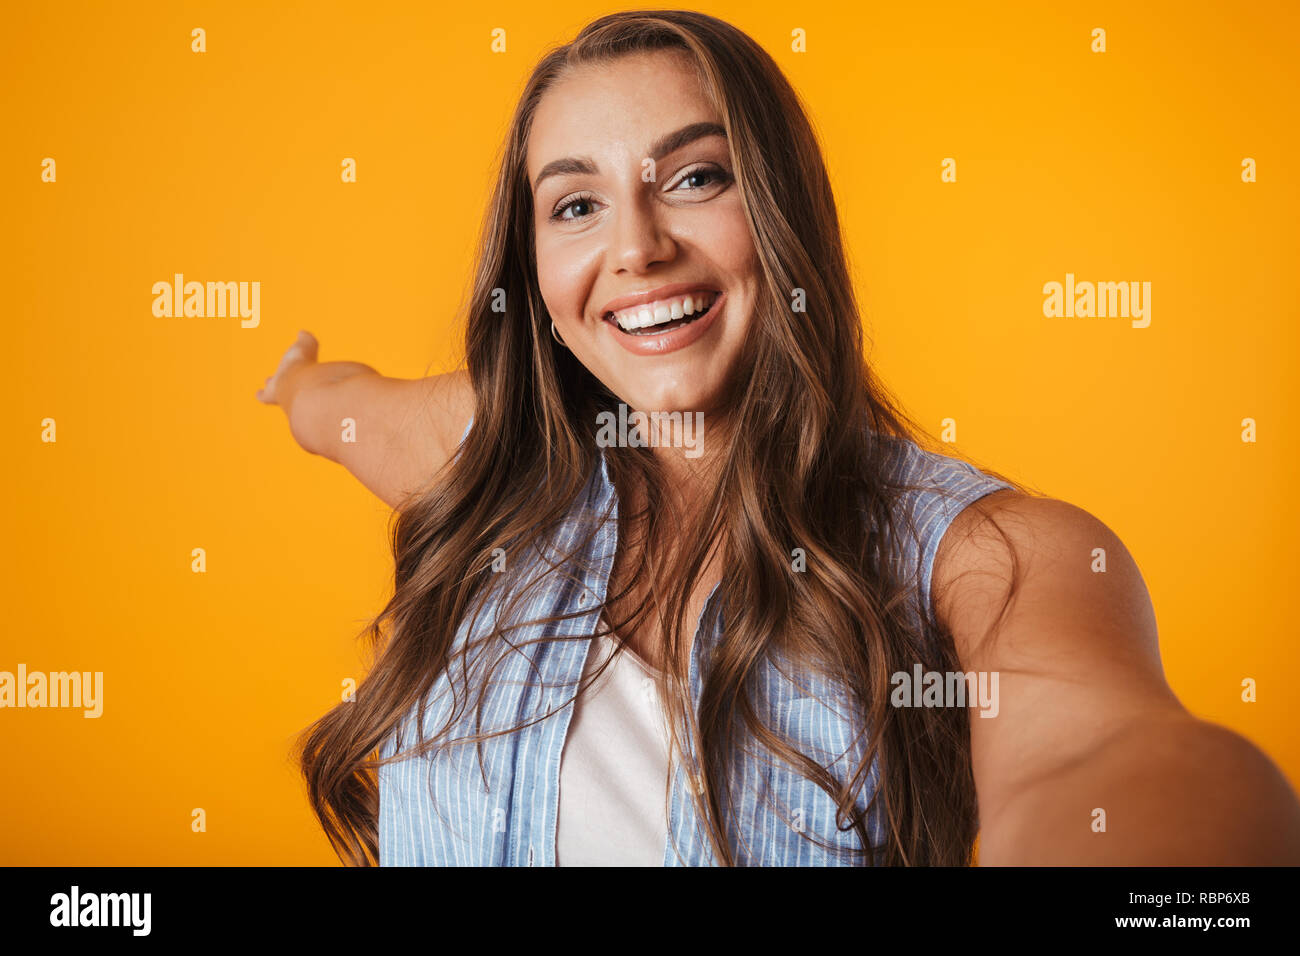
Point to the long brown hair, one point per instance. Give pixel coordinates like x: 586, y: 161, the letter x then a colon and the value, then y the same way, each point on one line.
x: 803, y: 464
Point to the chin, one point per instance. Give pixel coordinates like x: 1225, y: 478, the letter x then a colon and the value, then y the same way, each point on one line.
x: 671, y: 398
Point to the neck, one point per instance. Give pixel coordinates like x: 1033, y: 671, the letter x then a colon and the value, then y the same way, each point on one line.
x: 690, y: 451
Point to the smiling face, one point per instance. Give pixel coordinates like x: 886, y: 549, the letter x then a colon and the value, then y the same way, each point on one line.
x: 636, y: 213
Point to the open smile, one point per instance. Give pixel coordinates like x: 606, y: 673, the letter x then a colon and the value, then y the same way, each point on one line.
x: 667, y: 325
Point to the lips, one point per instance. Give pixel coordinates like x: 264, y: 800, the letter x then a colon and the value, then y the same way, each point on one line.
x: 637, y: 299
x: 670, y: 336
x: 659, y: 314
x: 662, y: 315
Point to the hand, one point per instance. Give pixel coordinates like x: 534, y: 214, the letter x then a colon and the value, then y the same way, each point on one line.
x: 303, y: 351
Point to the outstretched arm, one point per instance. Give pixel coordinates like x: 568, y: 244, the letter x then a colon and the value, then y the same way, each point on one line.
x: 1091, y: 758
x: 392, y: 434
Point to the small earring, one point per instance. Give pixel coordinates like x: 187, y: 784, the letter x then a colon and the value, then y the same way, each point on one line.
x: 556, y: 335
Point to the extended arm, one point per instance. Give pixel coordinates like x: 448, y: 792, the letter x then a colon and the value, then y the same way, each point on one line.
x: 1091, y: 758
x: 392, y: 434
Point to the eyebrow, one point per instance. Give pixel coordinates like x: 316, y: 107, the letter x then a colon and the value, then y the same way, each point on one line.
x: 658, y: 150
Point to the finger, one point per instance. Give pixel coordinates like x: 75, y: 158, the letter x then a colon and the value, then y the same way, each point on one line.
x: 289, y: 358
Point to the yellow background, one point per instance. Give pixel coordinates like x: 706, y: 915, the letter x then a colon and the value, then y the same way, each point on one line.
x: 225, y: 166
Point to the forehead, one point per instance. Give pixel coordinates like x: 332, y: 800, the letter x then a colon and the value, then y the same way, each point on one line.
x: 620, y: 105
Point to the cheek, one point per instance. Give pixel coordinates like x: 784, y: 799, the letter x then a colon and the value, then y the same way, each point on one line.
x: 729, y: 244
x: 549, y: 283
x: 734, y: 254
x: 561, y: 274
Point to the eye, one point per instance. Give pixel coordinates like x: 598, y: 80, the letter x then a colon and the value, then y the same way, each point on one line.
x: 702, y: 176
x: 710, y: 174
x: 581, y: 200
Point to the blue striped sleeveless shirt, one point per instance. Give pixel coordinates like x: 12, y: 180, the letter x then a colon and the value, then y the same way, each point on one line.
x: 448, y: 809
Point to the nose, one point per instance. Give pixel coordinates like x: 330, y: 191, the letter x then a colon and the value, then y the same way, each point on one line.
x: 640, y: 238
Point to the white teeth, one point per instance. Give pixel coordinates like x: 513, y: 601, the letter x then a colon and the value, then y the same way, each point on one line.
x: 665, y: 310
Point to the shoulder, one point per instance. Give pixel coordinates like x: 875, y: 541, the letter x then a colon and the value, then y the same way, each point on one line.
x: 931, y: 481
x: 932, y: 491
x: 1045, y: 568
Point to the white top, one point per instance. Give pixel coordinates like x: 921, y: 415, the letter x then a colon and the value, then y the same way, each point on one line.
x: 614, y: 768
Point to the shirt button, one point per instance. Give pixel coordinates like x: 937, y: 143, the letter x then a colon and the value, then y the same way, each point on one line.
x: 530, y: 856
x: 584, y: 598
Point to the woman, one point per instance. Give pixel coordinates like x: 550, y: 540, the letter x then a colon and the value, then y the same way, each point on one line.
x: 779, y: 557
